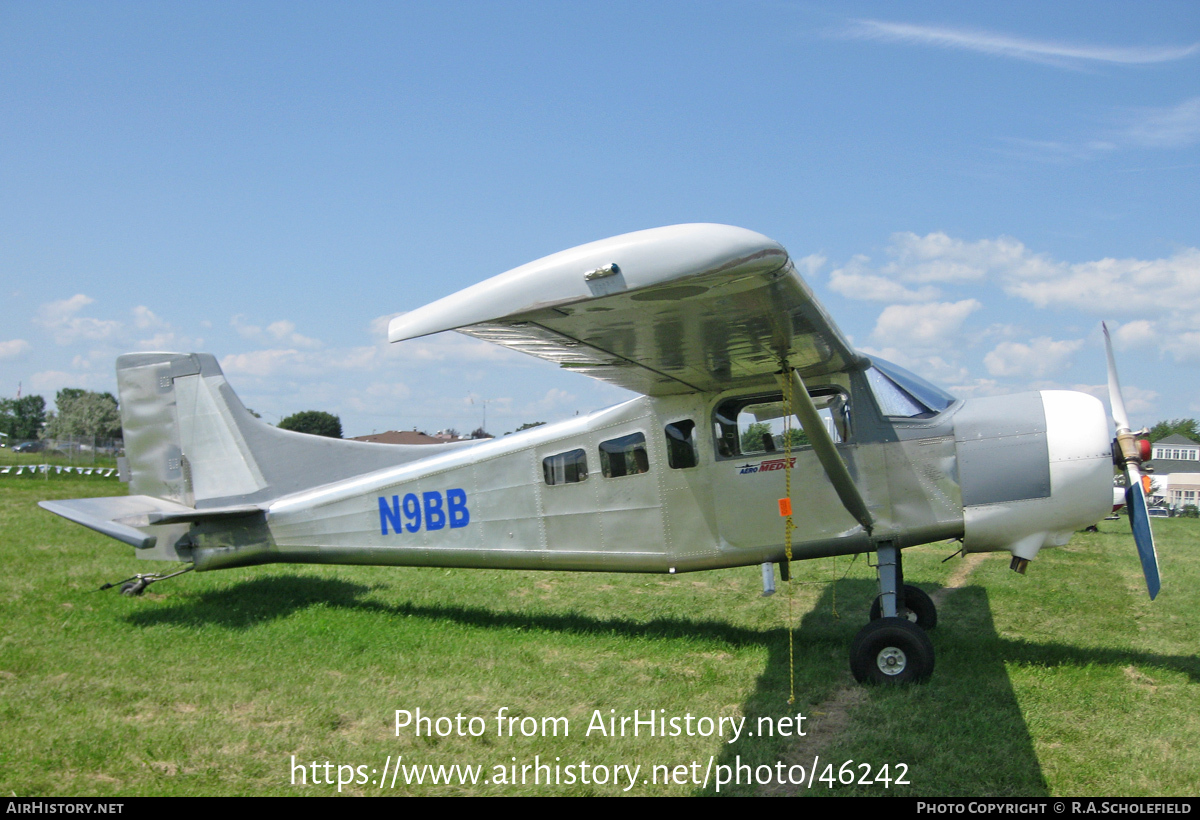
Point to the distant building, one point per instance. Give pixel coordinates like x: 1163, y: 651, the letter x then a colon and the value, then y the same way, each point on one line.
x: 404, y: 437
x: 1177, y: 470
x: 413, y: 437
x: 1177, y: 448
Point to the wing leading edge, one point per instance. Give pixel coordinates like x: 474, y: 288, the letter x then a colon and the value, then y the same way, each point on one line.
x: 671, y: 310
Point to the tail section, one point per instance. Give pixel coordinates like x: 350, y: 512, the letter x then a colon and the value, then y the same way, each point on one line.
x: 189, y: 439
x: 183, y: 438
x: 201, y: 468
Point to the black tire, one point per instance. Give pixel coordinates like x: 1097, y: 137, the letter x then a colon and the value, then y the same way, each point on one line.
x: 892, y: 652
x: 918, y: 608
x: 133, y: 588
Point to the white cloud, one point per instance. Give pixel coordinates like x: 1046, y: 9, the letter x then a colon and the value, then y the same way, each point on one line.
x: 1174, y: 127
x: 1139, y: 402
x: 262, y: 362
x: 167, y: 341
x: 1048, y: 52
x: 974, y: 388
x: 1184, y: 346
x: 1128, y: 287
x: 280, y: 332
x: 923, y: 327
x: 1135, y: 334
x: 48, y: 382
x: 59, y: 318
x: 285, y: 332
x: 1057, y: 151
x: 1042, y: 357
x: 245, y: 330
x: 144, y: 319
x: 389, y: 390
x: 936, y: 257
x: 854, y: 282
x: 809, y: 265
x: 13, y: 348
x: 552, y: 402
x: 1159, y: 299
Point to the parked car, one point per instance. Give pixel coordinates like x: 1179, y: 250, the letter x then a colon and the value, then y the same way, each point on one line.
x: 30, y: 447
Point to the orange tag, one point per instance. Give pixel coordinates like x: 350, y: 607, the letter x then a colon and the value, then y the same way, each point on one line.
x: 1146, y: 484
x: 785, y: 506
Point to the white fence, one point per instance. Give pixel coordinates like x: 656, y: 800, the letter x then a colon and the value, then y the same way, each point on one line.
x: 47, y: 470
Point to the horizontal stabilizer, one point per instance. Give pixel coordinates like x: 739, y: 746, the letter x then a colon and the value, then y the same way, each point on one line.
x: 120, y: 517
x: 115, y: 517
x: 189, y: 515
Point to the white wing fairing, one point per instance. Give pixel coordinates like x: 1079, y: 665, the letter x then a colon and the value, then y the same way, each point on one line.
x: 743, y: 378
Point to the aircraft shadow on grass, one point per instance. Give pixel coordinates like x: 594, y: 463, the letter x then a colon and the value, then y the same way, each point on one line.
x: 943, y: 721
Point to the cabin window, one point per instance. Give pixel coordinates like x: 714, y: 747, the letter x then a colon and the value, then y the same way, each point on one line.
x: 565, y: 468
x: 681, y: 444
x: 754, y: 425
x: 905, y: 395
x: 624, y: 456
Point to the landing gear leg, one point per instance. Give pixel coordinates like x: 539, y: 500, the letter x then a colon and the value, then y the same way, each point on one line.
x: 892, y: 649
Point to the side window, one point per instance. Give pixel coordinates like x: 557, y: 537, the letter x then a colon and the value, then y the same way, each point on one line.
x: 565, y: 468
x: 754, y: 425
x: 624, y: 456
x: 681, y: 444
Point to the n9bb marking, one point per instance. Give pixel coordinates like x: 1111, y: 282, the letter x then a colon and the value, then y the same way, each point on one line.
x: 429, y: 509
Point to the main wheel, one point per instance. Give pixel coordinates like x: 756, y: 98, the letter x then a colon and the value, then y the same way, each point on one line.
x: 891, y: 651
x: 918, y: 608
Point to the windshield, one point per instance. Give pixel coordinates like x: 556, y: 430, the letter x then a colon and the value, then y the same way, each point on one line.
x: 905, y: 394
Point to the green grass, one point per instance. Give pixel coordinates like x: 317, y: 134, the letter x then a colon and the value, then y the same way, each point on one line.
x: 1067, y: 681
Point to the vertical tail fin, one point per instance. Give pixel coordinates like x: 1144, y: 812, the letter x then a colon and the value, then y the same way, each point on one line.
x: 183, y: 429
x: 189, y: 439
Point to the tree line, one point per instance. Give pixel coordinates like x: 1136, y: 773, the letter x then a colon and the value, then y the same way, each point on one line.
x: 77, y: 412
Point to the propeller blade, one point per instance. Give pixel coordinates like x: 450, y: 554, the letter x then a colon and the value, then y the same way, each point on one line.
x: 1135, y: 495
x: 1139, y: 519
x: 1115, y: 399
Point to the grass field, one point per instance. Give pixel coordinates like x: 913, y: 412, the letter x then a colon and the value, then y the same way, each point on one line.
x: 1067, y: 681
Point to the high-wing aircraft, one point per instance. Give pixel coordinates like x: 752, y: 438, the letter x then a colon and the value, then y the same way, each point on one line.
x: 760, y: 436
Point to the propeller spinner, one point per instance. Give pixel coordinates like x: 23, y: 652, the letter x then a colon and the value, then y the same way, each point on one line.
x: 1129, y: 458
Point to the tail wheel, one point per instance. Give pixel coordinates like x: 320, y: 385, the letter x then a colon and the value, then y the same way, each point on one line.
x: 133, y: 588
x: 918, y: 608
x: 891, y: 651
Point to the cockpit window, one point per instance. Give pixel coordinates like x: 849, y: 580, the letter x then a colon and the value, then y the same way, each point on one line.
x: 904, y: 394
x: 753, y: 425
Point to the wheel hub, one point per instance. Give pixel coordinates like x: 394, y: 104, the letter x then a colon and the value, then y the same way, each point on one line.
x: 891, y: 661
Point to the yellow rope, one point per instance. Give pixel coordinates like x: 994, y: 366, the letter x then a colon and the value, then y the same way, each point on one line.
x: 785, y: 509
x: 789, y: 525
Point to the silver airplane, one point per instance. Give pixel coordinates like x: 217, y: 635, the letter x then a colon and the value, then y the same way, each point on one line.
x: 760, y: 436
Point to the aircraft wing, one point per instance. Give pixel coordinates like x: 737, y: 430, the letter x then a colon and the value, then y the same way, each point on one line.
x: 679, y: 309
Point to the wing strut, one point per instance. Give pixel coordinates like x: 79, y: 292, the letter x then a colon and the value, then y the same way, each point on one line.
x: 822, y: 444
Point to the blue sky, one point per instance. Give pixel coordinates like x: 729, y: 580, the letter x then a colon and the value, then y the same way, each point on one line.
x: 970, y: 189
